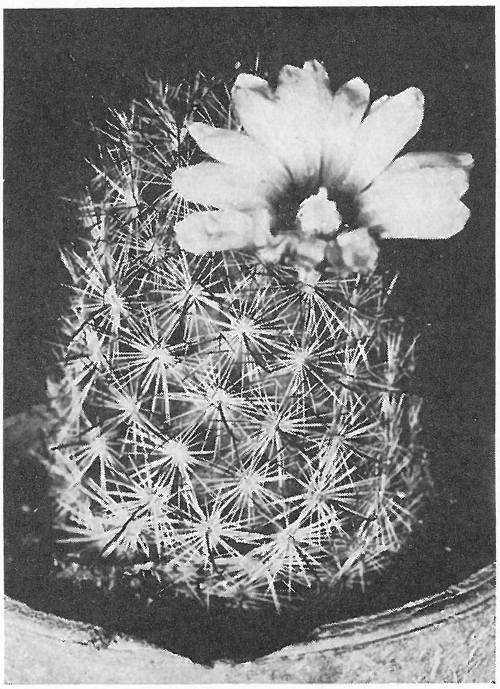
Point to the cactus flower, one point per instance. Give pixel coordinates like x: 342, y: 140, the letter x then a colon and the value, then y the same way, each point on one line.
x: 313, y: 175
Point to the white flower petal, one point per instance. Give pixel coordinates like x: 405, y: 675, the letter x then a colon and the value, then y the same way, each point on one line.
x: 221, y: 186
x: 347, y: 108
x: 383, y: 133
x: 412, y: 161
x: 238, y: 150
x: 289, y: 122
x: 309, y: 83
x: 452, y: 168
x: 260, y: 114
x: 306, y: 101
x: 422, y: 203
x: 207, y: 231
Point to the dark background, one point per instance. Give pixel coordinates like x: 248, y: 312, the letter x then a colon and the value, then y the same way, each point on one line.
x: 63, y: 67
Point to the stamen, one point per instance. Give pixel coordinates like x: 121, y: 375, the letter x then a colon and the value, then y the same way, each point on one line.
x: 319, y: 217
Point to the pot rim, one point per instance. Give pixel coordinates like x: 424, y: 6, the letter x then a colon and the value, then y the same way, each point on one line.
x: 356, y: 633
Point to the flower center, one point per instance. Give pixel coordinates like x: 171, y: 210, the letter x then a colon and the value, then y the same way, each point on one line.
x: 318, y: 217
x: 313, y: 214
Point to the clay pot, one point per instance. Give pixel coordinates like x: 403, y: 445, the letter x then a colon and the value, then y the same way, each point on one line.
x: 447, y: 637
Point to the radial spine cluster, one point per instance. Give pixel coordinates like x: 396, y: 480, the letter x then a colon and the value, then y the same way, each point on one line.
x: 240, y: 433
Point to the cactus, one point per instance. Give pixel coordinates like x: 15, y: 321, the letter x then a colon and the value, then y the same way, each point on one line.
x: 232, y: 407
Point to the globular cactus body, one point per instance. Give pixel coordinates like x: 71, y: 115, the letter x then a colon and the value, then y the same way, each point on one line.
x: 239, y: 430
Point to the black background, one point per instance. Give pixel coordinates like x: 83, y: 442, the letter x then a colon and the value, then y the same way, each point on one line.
x: 63, y: 67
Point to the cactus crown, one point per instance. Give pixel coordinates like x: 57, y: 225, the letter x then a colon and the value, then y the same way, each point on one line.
x: 222, y: 421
